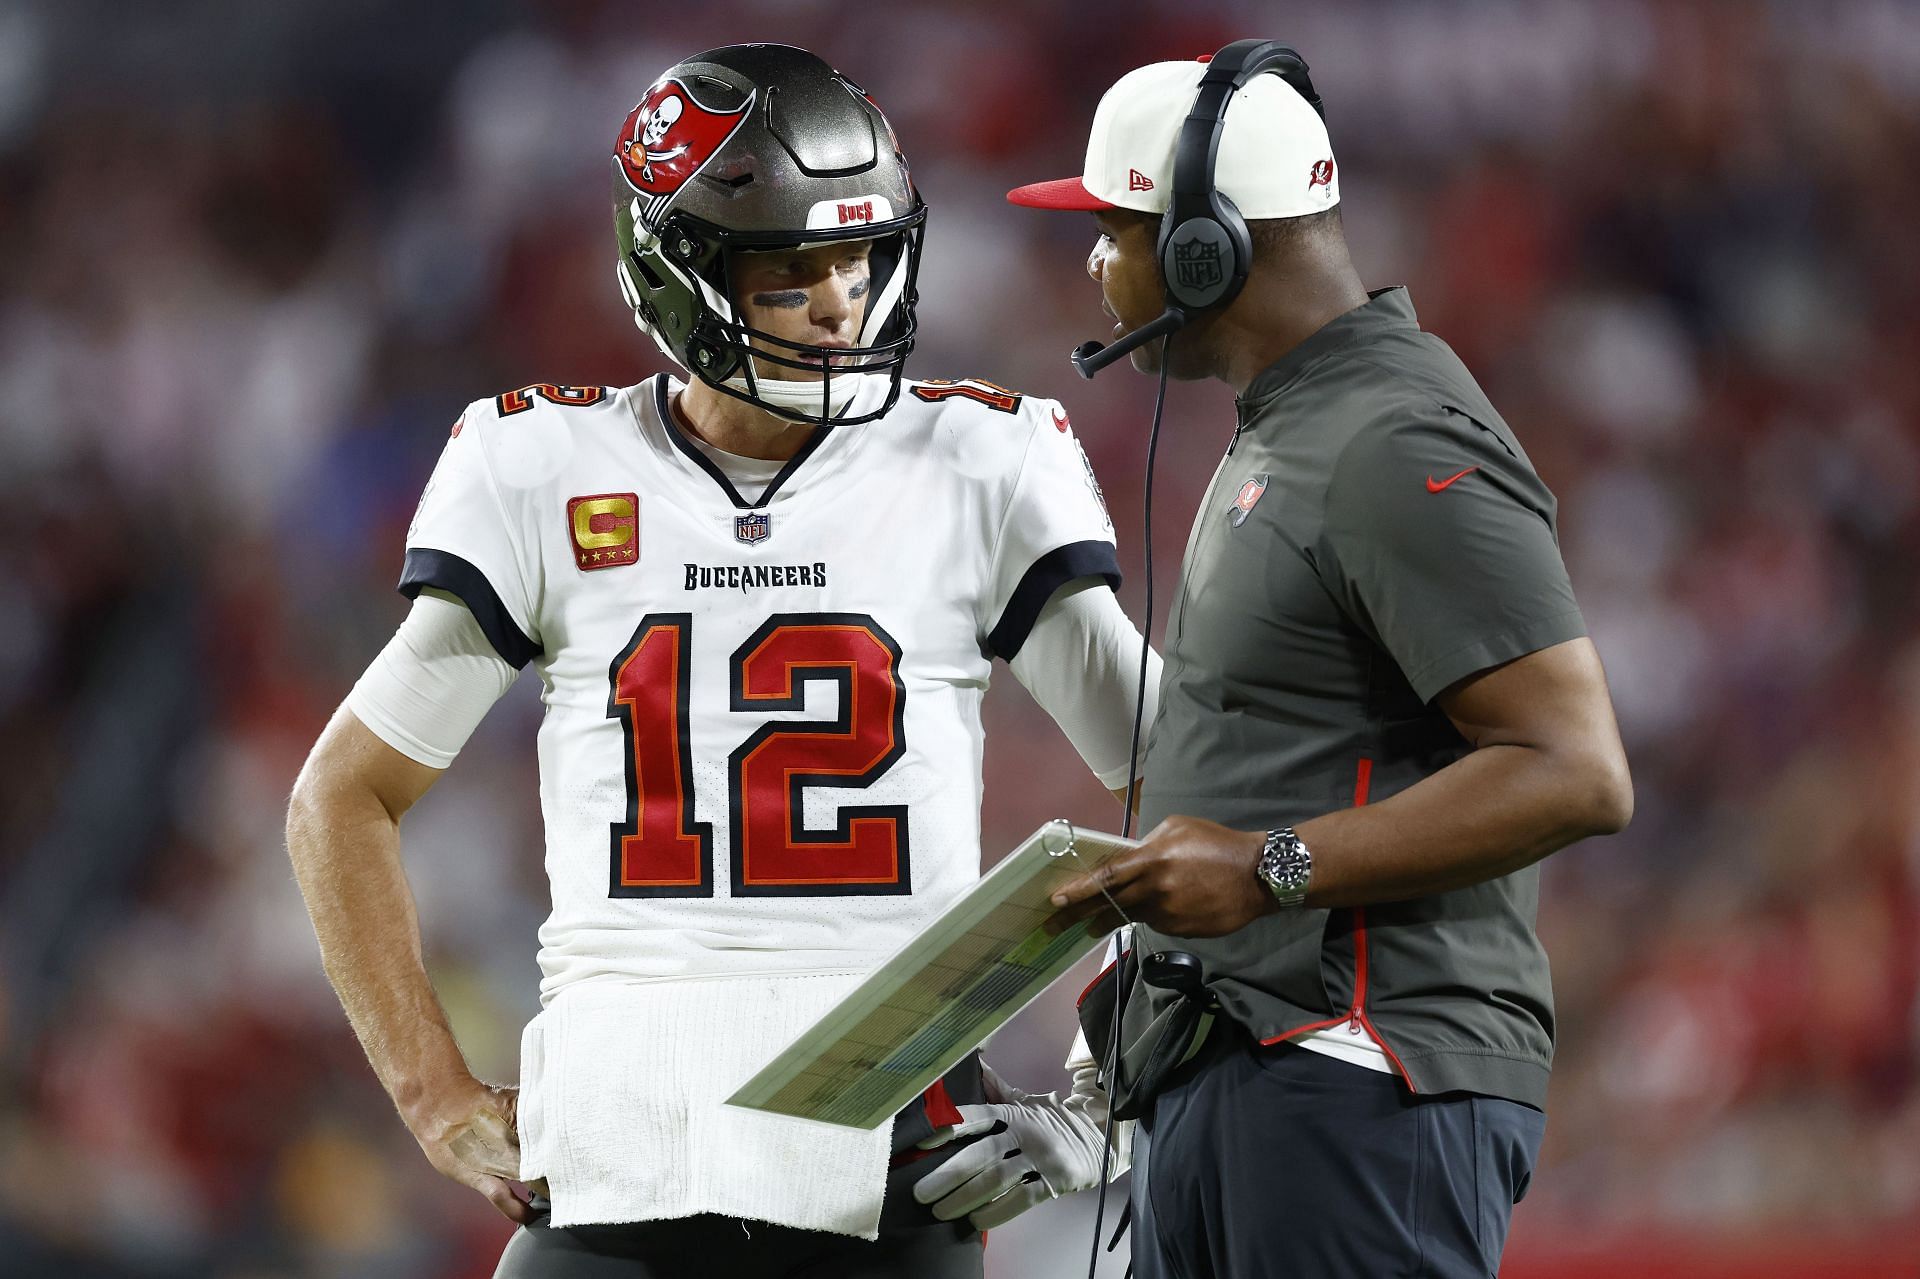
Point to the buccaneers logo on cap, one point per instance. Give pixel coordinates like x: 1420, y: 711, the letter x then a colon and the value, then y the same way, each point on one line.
x: 1321, y: 175
x: 669, y: 136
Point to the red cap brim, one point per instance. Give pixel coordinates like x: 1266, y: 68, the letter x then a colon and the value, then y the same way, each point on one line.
x: 1061, y: 193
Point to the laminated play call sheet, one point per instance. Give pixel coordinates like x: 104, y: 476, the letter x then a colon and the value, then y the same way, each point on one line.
x: 936, y: 998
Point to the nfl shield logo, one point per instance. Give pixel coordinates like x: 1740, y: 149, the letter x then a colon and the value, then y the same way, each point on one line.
x: 1196, y: 263
x: 752, y: 528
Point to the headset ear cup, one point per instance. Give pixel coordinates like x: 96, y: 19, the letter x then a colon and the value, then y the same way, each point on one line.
x: 1227, y: 214
x: 1195, y: 264
x: 1204, y: 259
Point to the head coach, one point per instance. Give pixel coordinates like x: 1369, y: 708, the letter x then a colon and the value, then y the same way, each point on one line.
x: 1379, y: 711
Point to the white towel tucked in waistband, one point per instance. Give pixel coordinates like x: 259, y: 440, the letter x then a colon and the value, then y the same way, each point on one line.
x: 622, y: 1085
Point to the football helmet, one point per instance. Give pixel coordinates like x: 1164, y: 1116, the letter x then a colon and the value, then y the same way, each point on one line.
x: 755, y: 147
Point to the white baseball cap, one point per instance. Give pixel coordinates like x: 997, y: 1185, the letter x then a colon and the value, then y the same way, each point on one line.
x: 1275, y: 160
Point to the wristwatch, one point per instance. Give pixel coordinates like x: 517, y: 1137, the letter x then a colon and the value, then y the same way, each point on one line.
x: 1285, y: 866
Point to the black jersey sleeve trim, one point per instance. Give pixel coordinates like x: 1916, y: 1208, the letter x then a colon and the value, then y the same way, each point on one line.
x: 1048, y: 574
x: 447, y: 572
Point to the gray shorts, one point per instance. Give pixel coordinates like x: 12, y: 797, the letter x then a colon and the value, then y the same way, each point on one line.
x: 1261, y: 1162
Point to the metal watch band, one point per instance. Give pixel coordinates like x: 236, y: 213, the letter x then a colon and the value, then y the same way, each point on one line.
x: 1285, y: 866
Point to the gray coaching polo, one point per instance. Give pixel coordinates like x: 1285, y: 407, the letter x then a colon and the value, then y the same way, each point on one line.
x: 1374, y: 535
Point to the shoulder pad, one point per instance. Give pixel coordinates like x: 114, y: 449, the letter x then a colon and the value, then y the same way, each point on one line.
x: 1038, y: 409
x: 519, y: 401
x: 528, y: 433
x: 941, y: 390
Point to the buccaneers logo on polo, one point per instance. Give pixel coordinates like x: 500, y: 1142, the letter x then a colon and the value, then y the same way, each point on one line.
x: 669, y: 136
x: 1243, y: 501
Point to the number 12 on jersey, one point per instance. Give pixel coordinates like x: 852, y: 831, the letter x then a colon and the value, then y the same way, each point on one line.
x: 662, y: 850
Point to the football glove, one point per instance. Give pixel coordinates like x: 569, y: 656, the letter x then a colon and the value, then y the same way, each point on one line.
x: 1027, y: 1148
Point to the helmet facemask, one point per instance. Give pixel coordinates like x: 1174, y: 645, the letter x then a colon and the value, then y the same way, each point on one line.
x: 732, y: 356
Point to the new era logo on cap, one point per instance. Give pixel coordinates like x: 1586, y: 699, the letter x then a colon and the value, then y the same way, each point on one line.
x: 1138, y: 181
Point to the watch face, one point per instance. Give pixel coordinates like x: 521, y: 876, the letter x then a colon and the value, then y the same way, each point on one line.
x: 1291, y: 872
x: 1286, y: 865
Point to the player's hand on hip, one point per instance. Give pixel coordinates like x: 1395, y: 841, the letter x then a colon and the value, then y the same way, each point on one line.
x: 1023, y: 1150
x: 1190, y: 878
x: 469, y: 1131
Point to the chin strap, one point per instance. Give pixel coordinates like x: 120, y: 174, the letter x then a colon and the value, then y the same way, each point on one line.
x: 801, y: 397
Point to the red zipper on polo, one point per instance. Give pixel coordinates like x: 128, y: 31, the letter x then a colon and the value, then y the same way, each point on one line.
x: 1356, y: 1017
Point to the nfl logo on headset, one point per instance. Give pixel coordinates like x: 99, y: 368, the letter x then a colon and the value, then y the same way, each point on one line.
x: 752, y: 528
x: 1196, y: 263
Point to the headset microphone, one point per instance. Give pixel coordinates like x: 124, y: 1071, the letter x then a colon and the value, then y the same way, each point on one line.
x: 1090, y: 357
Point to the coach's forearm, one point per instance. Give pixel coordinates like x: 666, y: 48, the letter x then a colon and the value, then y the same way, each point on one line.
x: 345, y: 846
x: 1489, y: 813
x: 1546, y: 768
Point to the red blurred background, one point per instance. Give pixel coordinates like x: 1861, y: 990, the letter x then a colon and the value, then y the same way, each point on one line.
x: 256, y: 259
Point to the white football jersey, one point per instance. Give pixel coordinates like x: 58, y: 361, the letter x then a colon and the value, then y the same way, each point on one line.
x: 761, y: 754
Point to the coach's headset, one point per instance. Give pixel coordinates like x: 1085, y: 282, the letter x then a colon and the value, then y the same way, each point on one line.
x: 1201, y: 219
x: 1200, y: 222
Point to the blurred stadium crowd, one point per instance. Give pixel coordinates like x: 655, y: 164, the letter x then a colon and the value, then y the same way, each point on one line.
x: 256, y: 259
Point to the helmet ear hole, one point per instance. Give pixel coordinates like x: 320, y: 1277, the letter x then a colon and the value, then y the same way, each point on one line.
x: 651, y: 277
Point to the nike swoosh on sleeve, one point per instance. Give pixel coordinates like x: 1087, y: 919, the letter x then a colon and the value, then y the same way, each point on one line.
x: 1436, y: 487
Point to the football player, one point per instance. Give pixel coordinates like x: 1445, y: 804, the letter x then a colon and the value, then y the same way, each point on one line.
x: 763, y: 602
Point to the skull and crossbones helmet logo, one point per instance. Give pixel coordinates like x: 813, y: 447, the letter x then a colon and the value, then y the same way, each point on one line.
x: 645, y: 149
